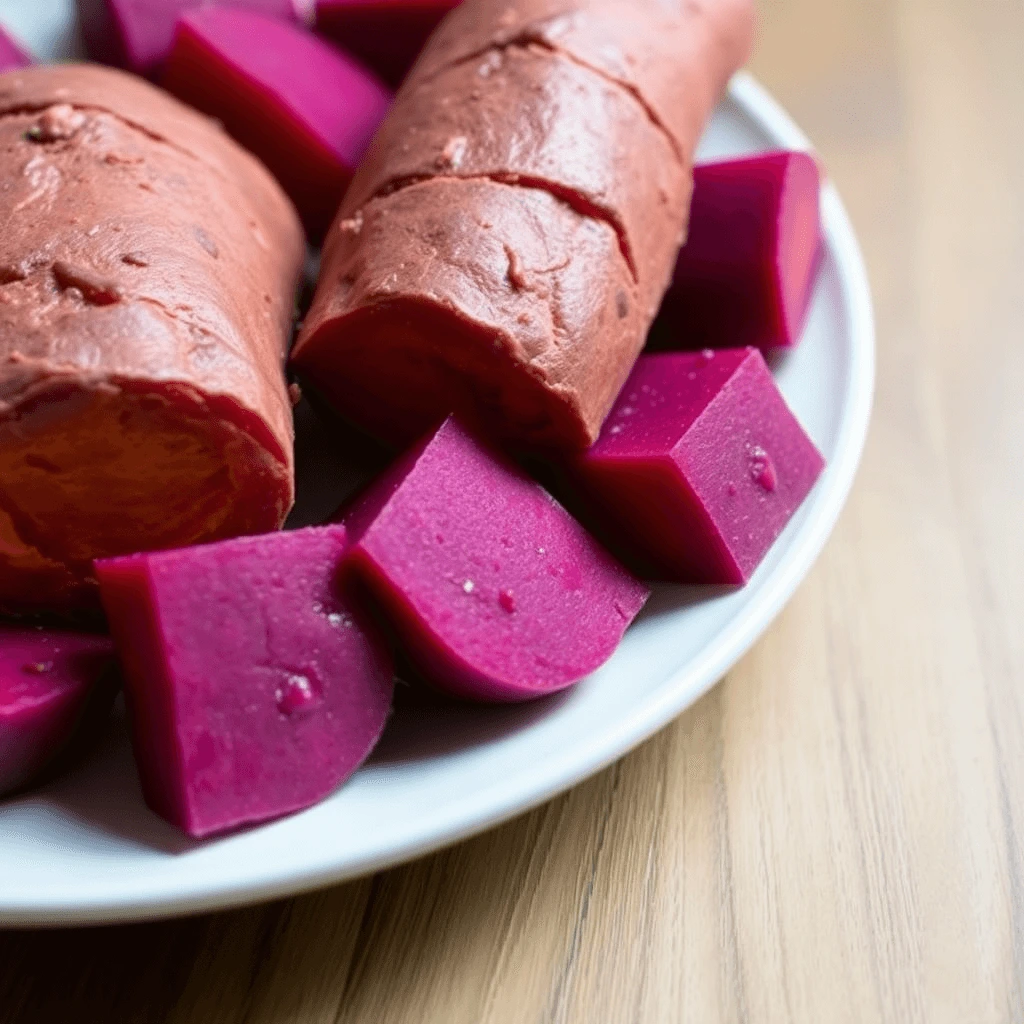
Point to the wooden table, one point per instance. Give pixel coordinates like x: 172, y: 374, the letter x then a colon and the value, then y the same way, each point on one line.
x: 835, y: 833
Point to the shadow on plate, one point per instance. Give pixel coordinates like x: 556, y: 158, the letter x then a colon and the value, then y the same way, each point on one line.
x: 103, y: 793
x: 424, y: 726
x: 332, y: 462
x: 668, y: 598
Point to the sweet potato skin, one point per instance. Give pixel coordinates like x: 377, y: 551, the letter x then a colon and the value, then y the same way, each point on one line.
x: 147, y: 274
x: 545, y: 96
x: 528, y: 282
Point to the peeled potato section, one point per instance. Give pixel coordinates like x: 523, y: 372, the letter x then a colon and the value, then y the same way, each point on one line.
x: 49, y: 682
x: 254, y: 689
x: 699, y: 468
x: 12, y: 54
x: 496, y: 591
x: 305, y: 108
x: 746, y: 273
x: 137, y: 34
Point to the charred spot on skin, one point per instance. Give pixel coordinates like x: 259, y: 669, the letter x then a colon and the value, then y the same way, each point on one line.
x: 87, y: 284
x: 206, y: 242
x: 56, y: 124
x: 622, y: 304
x: 135, y: 259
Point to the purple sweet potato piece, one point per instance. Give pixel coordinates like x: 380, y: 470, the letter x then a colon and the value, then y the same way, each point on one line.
x: 386, y: 35
x: 252, y: 686
x: 48, y: 679
x: 699, y: 467
x: 747, y: 270
x: 12, y: 54
x: 137, y: 34
x: 306, y: 109
x: 498, y: 593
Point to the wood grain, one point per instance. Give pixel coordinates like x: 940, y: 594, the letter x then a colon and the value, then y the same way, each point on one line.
x: 836, y: 833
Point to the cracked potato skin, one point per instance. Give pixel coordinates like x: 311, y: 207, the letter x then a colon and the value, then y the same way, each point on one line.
x: 527, y: 134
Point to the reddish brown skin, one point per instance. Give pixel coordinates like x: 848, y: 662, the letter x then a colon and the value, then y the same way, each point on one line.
x: 526, y: 274
x: 675, y: 56
x: 599, y: 104
x: 556, y: 119
x: 147, y: 276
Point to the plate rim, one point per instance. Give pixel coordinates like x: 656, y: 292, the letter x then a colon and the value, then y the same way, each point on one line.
x: 472, y: 816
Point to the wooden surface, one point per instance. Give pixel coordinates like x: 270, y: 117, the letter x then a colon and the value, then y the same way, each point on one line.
x: 835, y: 833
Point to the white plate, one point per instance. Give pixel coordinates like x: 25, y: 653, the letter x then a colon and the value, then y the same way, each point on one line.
x: 86, y: 849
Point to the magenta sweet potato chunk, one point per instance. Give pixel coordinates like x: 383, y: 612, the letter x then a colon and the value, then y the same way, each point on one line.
x: 253, y: 688
x: 386, y: 35
x: 12, y: 54
x: 302, y: 106
x: 47, y: 681
x: 137, y: 34
x: 498, y: 593
x: 747, y: 270
x: 699, y: 467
